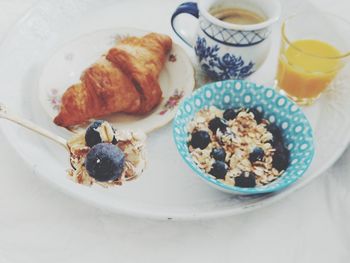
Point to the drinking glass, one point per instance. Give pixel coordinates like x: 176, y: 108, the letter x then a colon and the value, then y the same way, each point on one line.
x: 315, y: 48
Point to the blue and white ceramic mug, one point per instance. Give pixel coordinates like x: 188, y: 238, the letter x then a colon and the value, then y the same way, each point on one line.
x: 225, y: 50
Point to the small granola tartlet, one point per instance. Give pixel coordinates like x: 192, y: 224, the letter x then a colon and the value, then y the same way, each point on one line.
x: 106, y: 156
x: 237, y: 146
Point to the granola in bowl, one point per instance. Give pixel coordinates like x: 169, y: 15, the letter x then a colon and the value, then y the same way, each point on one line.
x: 106, y: 156
x: 237, y: 146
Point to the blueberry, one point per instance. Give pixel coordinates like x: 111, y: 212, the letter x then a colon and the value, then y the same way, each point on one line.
x: 230, y: 114
x: 256, y: 155
x: 114, y: 141
x: 276, y: 143
x: 216, y: 124
x: 246, y: 180
x: 219, y: 170
x: 218, y: 154
x: 280, y: 159
x: 200, y: 139
x: 279, y: 146
x: 275, y: 131
x: 105, y: 162
x: 92, y: 136
x: 258, y: 116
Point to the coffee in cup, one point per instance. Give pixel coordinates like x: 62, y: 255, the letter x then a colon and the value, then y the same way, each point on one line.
x: 237, y: 16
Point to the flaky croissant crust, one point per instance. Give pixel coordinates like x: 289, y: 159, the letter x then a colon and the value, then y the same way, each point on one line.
x: 125, y: 80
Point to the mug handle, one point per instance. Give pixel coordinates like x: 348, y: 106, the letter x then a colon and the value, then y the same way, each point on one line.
x: 187, y: 8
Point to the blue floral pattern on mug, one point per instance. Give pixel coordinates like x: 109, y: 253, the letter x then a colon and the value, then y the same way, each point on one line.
x: 225, y: 67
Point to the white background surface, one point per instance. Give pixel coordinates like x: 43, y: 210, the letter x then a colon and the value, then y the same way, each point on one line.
x: 38, y: 223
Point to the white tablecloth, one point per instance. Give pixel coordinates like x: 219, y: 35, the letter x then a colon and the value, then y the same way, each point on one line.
x: 38, y: 223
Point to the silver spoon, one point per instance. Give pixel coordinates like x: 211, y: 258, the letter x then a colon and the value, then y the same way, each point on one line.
x: 4, y: 114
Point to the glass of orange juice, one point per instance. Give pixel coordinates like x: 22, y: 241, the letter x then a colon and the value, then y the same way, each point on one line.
x: 315, y: 48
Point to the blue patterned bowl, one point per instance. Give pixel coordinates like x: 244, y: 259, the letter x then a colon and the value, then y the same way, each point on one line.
x: 297, y: 132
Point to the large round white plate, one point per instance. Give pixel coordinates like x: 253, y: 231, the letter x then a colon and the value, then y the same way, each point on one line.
x: 66, y: 65
x: 166, y: 189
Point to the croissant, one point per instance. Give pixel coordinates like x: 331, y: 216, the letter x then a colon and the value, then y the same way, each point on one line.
x: 126, y: 80
x: 142, y: 59
x: 103, y: 89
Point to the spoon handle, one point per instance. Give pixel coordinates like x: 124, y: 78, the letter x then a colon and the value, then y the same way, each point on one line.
x: 4, y: 114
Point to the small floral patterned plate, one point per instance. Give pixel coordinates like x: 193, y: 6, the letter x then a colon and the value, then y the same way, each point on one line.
x: 66, y: 65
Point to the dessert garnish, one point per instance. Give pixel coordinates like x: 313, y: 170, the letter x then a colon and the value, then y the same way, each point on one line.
x: 237, y: 146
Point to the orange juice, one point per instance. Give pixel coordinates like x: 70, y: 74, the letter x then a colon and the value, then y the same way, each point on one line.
x: 306, y: 68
